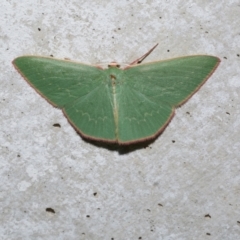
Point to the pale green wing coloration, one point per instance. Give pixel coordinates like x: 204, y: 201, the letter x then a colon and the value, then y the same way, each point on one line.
x: 152, y: 91
x: 79, y: 90
x: 117, y: 105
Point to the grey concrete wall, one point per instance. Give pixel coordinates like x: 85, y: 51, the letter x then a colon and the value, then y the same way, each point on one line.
x: 184, y: 185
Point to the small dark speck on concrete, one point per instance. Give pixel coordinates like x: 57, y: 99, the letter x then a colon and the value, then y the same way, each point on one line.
x: 160, y: 205
x: 140, y: 238
x: 18, y: 155
x: 39, y: 29
x: 51, y: 210
x: 56, y: 125
x: 208, y: 215
x: 88, y: 216
x: 173, y: 141
x: 238, y: 222
x: 51, y: 55
x: 228, y: 113
x: 208, y: 234
x: 238, y: 55
x: 168, y: 50
x: 225, y: 57
x: 95, y: 193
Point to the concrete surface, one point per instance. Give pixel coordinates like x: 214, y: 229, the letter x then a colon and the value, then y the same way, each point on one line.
x: 184, y: 185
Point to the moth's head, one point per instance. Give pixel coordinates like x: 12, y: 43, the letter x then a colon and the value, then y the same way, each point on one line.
x: 114, y: 65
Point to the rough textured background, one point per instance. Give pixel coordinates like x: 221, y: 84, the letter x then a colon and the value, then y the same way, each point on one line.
x: 185, y: 185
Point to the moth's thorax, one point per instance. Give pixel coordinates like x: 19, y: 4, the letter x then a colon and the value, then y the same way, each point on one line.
x: 114, y: 75
x: 113, y: 65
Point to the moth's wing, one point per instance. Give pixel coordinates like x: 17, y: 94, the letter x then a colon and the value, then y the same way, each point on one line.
x: 152, y: 91
x: 78, y: 89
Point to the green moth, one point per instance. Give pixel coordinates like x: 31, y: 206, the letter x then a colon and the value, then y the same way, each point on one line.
x: 117, y: 105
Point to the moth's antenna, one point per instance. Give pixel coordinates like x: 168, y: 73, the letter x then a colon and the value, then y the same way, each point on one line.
x: 139, y: 60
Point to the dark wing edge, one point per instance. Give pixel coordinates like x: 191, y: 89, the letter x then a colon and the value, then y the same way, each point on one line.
x: 202, y: 83
x: 30, y: 84
x: 152, y: 137
x: 87, y: 137
x: 25, y: 78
